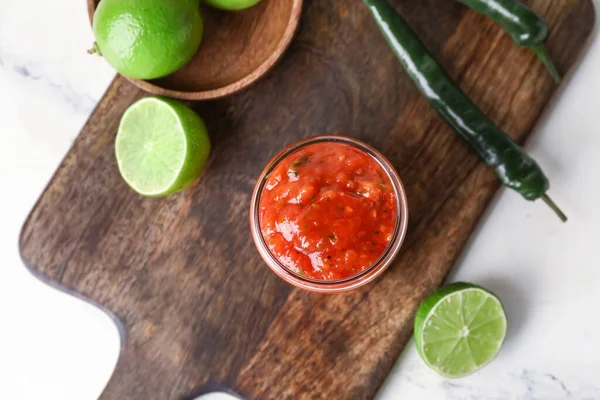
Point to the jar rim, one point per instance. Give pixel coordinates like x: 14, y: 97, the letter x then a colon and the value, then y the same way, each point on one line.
x: 354, y: 281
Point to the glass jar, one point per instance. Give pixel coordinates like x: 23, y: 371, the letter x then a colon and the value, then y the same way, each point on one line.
x: 352, y: 282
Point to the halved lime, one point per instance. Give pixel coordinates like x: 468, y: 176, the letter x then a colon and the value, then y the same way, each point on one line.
x: 161, y: 147
x: 459, y: 329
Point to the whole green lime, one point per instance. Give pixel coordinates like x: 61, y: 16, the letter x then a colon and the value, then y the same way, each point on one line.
x: 231, y: 5
x: 147, y: 39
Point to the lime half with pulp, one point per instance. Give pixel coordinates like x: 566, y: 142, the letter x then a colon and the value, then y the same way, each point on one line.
x: 459, y: 329
x: 161, y: 147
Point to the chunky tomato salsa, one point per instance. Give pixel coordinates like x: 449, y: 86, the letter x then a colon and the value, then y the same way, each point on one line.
x: 328, y: 211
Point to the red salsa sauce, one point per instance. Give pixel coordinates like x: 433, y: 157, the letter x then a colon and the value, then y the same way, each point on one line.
x: 328, y: 211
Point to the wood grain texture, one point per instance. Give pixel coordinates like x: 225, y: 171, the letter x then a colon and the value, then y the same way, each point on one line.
x: 199, y: 309
x: 237, y: 49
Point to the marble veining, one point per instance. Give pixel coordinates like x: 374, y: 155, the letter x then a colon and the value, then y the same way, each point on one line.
x: 527, y: 384
x: 81, y: 103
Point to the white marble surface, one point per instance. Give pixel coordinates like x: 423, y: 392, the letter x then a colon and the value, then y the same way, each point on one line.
x: 53, y: 346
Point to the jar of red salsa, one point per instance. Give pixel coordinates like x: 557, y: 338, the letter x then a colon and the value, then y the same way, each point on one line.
x: 329, y: 214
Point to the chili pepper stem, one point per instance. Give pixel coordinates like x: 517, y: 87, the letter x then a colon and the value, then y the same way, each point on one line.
x: 554, y: 208
x: 542, y: 53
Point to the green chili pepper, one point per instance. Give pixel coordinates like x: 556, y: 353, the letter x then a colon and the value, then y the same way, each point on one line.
x: 525, y: 26
x: 514, y: 167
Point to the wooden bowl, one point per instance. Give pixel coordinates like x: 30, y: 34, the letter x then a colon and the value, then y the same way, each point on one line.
x: 237, y: 49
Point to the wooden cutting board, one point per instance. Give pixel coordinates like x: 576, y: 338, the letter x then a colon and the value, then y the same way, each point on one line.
x: 198, y: 308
